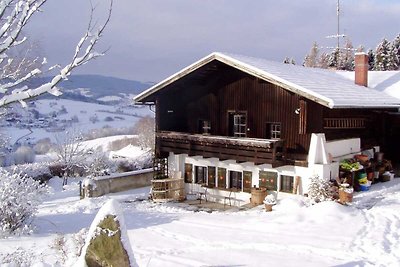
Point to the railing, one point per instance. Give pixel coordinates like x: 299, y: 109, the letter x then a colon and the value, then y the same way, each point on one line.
x: 254, y: 150
x: 344, y: 123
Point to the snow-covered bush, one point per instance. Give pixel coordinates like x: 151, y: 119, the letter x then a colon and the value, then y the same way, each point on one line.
x: 38, y: 171
x: 19, y: 200
x: 319, y: 189
x: 19, y: 257
x: 24, y: 154
x: 43, y: 146
x: 98, y: 165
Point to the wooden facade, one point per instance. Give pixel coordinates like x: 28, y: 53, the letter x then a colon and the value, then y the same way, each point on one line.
x: 209, y: 100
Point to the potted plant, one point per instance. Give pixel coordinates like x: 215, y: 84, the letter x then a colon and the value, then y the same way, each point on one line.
x: 345, y: 193
x: 269, y: 201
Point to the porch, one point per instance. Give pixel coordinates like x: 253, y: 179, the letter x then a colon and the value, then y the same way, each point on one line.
x: 240, y: 149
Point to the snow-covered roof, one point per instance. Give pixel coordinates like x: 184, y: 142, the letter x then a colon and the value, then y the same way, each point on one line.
x: 382, y: 81
x: 327, y: 87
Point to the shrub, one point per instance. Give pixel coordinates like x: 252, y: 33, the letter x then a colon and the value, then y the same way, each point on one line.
x: 19, y: 200
x: 24, y: 154
x: 37, y: 171
x: 43, y: 146
x: 319, y: 189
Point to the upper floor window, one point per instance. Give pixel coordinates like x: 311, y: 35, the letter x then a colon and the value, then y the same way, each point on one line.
x: 204, y: 127
x: 237, y: 124
x: 273, y: 131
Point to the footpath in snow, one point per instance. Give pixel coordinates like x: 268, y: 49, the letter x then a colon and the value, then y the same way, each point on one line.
x: 365, y: 233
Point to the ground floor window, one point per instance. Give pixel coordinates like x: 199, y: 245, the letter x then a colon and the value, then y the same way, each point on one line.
x: 211, y: 177
x: 235, y: 180
x: 188, y: 173
x: 287, y: 183
x: 200, y: 175
x: 221, y: 178
x: 247, y: 176
x: 268, y: 180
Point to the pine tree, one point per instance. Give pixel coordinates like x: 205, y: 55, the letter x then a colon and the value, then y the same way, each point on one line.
x: 323, y: 61
x: 292, y: 61
x: 396, y: 44
x: 392, y: 60
x: 382, y: 55
x: 286, y: 60
x: 333, y: 58
x: 371, y: 59
x: 346, y: 57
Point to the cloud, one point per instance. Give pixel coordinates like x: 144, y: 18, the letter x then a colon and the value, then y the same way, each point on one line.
x: 152, y: 39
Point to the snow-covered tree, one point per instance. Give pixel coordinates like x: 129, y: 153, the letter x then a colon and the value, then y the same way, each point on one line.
x: 346, y: 57
x: 333, y: 58
x: 311, y: 59
x: 15, y: 15
x: 393, y: 59
x: 145, y: 129
x: 19, y: 200
x: 396, y: 44
x: 71, y: 152
x: 382, y: 55
x: 371, y: 59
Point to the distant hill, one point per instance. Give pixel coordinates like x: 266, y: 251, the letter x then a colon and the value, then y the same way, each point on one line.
x: 97, y: 85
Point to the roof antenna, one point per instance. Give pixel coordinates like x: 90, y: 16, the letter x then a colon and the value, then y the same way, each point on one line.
x: 337, y: 35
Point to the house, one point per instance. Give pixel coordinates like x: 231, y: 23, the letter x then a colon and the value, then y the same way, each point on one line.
x: 233, y: 122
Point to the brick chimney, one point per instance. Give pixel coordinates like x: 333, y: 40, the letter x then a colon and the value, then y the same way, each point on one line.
x: 361, y: 69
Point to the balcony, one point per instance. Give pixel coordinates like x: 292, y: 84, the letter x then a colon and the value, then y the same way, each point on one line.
x: 259, y: 151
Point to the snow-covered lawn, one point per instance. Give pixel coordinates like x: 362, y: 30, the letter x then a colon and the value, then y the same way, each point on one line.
x: 366, y: 233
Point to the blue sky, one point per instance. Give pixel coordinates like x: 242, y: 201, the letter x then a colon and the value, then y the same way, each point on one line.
x: 152, y: 39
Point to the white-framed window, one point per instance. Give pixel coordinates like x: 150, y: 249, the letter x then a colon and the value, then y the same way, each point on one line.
x: 239, y: 125
x: 274, y: 130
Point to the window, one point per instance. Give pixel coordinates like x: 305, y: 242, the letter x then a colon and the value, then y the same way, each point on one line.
x: 188, y: 173
x: 200, y: 175
x: 287, y: 184
x: 268, y: 180
x: 247, y: 176
x: 273, y: 131
x: 237, y: 124
x: 204, y: 127
x: 221, y: 178
x: 235, y: 180
x: 211, y: 176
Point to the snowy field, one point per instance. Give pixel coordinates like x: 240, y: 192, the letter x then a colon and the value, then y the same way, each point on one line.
x: 90, y: 116
x: 366, y: 233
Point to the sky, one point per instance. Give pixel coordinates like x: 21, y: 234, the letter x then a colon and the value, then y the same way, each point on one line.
x: 149, y: 40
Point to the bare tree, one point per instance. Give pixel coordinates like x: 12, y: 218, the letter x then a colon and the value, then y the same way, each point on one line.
x: 14, y: 16
x: 71, y: 153
x: 145, y: 128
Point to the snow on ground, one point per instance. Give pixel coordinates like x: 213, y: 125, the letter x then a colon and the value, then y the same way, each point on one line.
x: 365, y: 233
x: 90, y: 116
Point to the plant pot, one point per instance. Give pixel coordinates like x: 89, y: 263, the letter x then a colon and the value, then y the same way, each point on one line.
x: 268, y: 207
x: 345, y: 197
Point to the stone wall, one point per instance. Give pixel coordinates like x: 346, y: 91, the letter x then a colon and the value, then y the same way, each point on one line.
x: 103, y: 185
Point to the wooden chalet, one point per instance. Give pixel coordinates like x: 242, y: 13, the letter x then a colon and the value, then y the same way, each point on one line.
x: 231, y: 123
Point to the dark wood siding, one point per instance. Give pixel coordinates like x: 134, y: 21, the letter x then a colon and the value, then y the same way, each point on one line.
x: 215, y: 89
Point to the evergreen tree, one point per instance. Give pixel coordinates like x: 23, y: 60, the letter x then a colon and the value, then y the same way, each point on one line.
x: 392, y: 60
x: 346, y: 57
x: 333, y: 58
x: 382, y: 55
x: 371, y: 59
x: 396, y: 44
x: 286, y: 60
x: 292, y: 61
x: 323, y: 61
